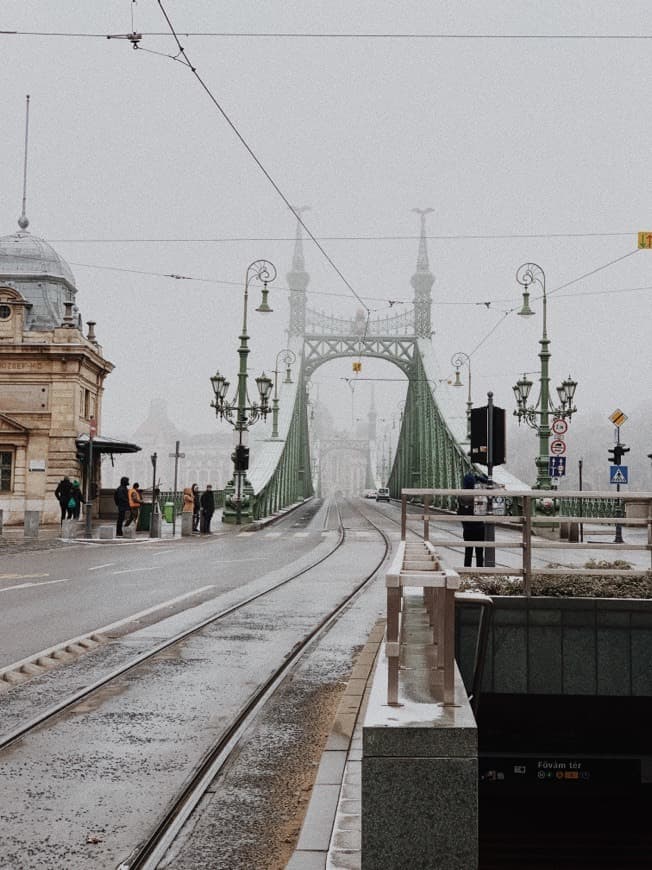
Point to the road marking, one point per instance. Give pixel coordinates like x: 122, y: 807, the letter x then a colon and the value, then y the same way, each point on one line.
x: 160, y: 552
x: 97, y: 567
x: 273, y: 534
x: 250, y: 559
x: 301, y: 534
x: 26, y: 585
x: 21, y: 576
x: 135, y: 570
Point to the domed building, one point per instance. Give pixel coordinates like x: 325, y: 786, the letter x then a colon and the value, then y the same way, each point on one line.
x: 51, y: 379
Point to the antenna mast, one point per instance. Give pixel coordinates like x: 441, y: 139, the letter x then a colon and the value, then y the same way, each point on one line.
x: 23, y: 222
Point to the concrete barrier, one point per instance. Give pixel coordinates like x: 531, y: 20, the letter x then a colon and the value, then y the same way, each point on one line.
x: 106, y: 533
x: 186, y: 524
x: 419, y: 766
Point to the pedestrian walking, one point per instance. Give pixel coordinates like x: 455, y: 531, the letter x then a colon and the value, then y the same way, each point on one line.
x: 121, y: 499
x: 62, y: 494
x: 77, y: 495
x: 207, y: 502
x: 471, y: 531
x: 196, y: 508
x: 135, y: 502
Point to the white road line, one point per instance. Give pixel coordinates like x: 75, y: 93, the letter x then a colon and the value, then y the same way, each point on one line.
x: 273, y: 534
x: 21, y: 576
x: 97, y: 567
x: 251, y: 559
x: 26, y: 585
x: 160, y: 552
x: 303, y: 534
x: 135, y: 570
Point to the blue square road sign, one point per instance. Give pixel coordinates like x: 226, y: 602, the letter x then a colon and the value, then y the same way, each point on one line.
x: 619, y: 474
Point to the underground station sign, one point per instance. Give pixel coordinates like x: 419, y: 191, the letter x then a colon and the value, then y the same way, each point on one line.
x: 534, y: 774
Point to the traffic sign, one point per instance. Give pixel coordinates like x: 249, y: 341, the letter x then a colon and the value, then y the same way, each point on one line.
x: 178, y: 455
x: 618, y: 418
x: 645, y: 239
x: 619, y: 474
x: 556, y: 466
x: 559, y: 426
x: 557, y: 447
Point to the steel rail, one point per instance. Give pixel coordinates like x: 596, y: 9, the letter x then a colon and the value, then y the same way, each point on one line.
x: 148, y: 854
x: 7, y: 740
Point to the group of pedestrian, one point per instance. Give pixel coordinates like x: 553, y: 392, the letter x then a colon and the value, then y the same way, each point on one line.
x: 202, y: 507
x: 128, y: 500
x: 68, y: 494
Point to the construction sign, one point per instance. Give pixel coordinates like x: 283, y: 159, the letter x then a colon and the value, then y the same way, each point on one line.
x: 645, y: 239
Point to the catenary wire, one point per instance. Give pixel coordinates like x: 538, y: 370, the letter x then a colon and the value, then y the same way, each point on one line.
x: 346, y: 238
x: 256, y: 159
x: 634, y: 37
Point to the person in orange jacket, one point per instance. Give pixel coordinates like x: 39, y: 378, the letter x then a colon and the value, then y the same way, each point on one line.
x: 135, y: 501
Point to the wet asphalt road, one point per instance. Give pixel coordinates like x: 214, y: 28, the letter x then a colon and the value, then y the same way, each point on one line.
x: 51, y: 596
x: 85, y: 790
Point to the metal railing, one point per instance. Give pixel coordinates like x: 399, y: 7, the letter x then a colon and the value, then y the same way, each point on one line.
x: 528, y: 522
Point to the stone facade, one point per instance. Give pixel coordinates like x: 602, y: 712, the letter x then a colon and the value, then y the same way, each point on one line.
x: 51, y: 380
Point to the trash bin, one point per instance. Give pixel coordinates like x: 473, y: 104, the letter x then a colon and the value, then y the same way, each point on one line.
x: 144, y: 517
x: 168, y: 511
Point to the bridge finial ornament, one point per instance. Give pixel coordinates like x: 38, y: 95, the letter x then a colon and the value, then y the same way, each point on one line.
x: 422, y: 257
x: 298, y: 263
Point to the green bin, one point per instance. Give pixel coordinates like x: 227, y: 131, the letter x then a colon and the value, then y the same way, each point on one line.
x: 168, y: 511
x: 144, y: 518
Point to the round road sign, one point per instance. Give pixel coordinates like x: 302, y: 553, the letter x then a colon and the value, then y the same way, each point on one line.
x: 559, y: 426
x: 557, y: 448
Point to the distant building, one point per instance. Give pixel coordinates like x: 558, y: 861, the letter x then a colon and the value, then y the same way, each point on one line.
x: 207, y: 457
x: 51, y: 377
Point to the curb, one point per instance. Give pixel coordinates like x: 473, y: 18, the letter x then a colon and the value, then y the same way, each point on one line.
x: 338, y: 775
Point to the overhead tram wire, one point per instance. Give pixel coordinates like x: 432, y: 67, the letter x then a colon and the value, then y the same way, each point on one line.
x: 550, y: 292
x: 349, y: 238
x: 256, y: 159
x: 226, y: 34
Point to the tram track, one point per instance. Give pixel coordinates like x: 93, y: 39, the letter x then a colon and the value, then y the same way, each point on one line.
x: 150, y: 851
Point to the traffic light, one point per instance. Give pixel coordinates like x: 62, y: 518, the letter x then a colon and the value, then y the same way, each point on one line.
x: 616, y: 453
x: 240, y: 457
x: 81, y: 456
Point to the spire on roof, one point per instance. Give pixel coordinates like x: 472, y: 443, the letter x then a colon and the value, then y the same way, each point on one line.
x: 422, y: 256
x: 23, y: 222
x: 298, y: 263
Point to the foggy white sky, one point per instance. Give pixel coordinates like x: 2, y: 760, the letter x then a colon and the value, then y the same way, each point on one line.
x: 545, y: 137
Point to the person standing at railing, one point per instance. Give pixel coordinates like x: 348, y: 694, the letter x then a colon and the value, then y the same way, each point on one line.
x: 471, y: 531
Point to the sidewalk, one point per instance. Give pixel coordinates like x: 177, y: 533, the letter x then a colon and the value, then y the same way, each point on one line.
x: 331, y: 831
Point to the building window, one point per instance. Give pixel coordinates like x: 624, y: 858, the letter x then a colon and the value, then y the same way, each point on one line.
x: 6, y: 461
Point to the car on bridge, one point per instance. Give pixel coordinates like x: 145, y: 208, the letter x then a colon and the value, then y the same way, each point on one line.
x: 382, y: 494
x: 369, y: 493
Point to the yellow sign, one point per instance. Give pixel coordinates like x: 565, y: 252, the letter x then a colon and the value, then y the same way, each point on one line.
x: 618, y: 418
x: 357, y: 367
x: 645, y: 239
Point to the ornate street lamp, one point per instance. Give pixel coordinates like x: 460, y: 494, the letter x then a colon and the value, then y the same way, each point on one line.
x: 240, y: 411
x: 289, y: 358
x: 458, y: 360
x: 537, y: 416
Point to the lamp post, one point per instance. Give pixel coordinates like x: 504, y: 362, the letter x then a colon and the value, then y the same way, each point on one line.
x: 240, y: 412
x: 537, y: 416
x: 289, y: 358
x: 458, y: 360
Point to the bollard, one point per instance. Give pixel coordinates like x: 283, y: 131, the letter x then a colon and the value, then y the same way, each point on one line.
x: 155, y: 525
x: 186, y: 524
x: 68, y: 528
x: 31, y: 524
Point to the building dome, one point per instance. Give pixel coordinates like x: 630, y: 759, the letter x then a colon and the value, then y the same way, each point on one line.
x: 32, y: 266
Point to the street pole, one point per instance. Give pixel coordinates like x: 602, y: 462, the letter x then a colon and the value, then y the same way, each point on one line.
x: 155, y: 519
x: 619, y: 529
x: 176, y: 456
x: 92, y: 432
x: 490, y: 529
x: 581, y: 465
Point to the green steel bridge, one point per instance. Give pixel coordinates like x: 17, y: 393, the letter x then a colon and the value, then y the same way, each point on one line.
x: 430, y: 450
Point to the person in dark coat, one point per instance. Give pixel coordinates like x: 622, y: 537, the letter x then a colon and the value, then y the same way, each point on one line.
x: 196, y: 507
x: 121, y: 499
x: 62, y: 493
x: 471, y: 531
x: 207, y: 502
